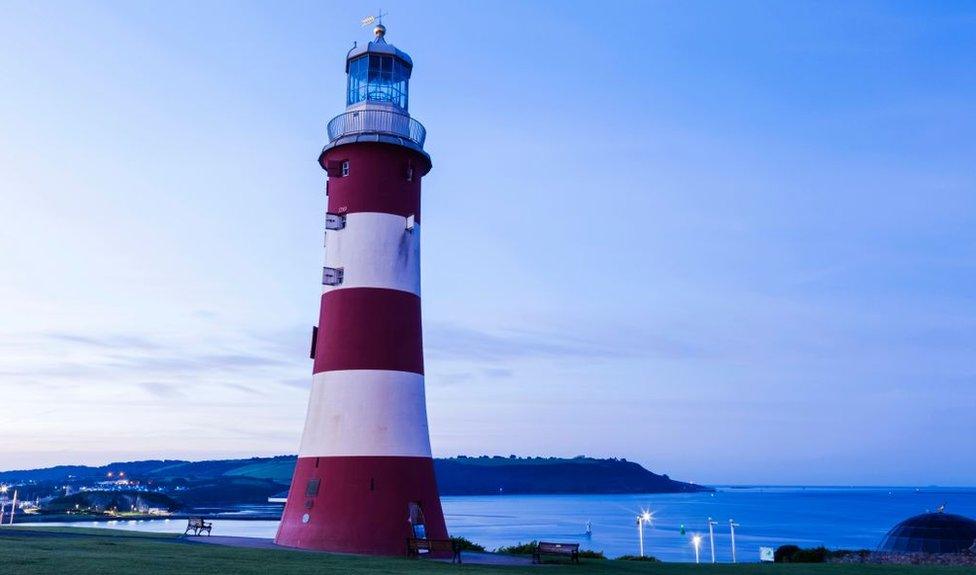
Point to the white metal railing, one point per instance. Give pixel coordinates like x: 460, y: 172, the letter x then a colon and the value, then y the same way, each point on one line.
x: 377, y: 122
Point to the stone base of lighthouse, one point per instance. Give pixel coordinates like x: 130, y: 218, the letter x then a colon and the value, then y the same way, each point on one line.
x: 360, y: 504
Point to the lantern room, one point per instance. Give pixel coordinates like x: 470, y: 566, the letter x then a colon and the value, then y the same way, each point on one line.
x: 378, y: 73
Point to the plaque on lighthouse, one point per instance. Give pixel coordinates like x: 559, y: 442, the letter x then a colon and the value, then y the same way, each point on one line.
x: 364, y: 482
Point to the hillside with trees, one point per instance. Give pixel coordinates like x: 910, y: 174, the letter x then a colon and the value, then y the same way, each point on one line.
x: 175, y: 484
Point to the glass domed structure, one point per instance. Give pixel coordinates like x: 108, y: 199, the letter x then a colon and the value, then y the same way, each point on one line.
x: 931, y: 533
x: 377, y: 98
x: 378, y: 73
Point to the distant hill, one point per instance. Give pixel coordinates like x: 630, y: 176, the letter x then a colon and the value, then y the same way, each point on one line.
x: 538, y: 475
x: 253, y: 480
x: 160, y: 469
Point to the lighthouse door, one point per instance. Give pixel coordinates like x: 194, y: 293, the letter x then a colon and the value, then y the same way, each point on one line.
x: 417, y: 525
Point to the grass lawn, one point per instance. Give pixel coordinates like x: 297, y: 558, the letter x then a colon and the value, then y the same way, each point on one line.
x: 71, y: 551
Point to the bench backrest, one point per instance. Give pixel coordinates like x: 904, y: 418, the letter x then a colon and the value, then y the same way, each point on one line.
x: 195, y: 522
x: 431, y: 544
x: 549, y: 547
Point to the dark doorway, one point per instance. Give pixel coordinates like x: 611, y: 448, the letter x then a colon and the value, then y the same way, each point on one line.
x: 417, y: 525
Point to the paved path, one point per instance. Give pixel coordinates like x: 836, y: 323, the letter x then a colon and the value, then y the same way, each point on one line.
x: 468, y: 557
x: 482, y: 558
x: 21, y: 532
x: 244, y: 542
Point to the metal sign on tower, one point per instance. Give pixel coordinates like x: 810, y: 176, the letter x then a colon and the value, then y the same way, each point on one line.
x: 364, y: 482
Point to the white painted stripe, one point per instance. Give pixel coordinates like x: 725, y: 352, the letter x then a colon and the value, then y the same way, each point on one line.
x: 363, y: 412
x: 375, y: 250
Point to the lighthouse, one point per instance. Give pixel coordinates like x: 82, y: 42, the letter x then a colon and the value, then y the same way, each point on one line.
x: 364, y: 482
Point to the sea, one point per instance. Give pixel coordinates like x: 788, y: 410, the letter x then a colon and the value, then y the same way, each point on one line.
x: 836, y: 517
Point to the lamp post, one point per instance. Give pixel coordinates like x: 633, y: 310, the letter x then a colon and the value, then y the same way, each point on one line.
x: 644, y: 517
x: 696, y: 541
x: 711, y: 536
x: 732, y: 526
x: 13, y: 508
x: 3, y: 502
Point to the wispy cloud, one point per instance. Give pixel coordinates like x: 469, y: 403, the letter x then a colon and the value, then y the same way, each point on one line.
x: 297, y: 383
x: 458, y: 342
x: 450, y: 341
x: 161, y: 390
x: 197, y: 362
x: 114, y: 341
x: 67, y: 360
x: 252, y: 389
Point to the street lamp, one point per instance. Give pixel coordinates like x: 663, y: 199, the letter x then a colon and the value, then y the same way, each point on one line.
x: 644, y: 517
x: 696, y: 541
x: 732, y: 526
x: 13, y: 508
x: 711, y: 536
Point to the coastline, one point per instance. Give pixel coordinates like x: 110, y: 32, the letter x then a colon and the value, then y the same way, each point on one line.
x: 35, y: 518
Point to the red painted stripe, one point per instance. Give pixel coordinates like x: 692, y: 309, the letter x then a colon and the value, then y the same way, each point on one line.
x: 369, y: 328
x: 377, y: 180
x: 362, y: 504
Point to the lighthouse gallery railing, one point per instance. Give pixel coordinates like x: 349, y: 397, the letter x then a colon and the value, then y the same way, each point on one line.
x: 377, y: 122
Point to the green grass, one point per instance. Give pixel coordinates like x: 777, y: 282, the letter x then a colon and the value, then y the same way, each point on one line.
x: 63, y: 551
x: 279, y: 470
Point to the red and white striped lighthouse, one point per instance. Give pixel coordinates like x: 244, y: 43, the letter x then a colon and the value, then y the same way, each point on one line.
x: 364, y: 482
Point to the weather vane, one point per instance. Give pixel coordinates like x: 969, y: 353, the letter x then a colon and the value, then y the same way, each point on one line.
x: 370, y: 19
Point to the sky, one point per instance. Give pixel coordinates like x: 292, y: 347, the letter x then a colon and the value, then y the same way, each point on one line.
x: 732, y: 241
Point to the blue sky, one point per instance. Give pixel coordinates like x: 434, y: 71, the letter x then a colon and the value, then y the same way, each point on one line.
x: 733, y: 242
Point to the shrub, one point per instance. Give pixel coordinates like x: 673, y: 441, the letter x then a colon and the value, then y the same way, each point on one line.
x: 784, y: 553
x: 465, y: 544
x: 814, y: 555
x: 519, y: 548
x: 648, y: 558
x: 529, y: 548
x: 794, y: 554
x: 848, y: 554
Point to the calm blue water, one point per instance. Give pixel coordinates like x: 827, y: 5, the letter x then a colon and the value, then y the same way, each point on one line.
x: 850, y: 518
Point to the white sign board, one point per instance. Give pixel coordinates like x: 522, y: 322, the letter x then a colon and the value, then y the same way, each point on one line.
x: 767, y: 555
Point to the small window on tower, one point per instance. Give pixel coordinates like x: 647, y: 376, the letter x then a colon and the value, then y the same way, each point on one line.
x: 345, y: 168
x: 334, y: 221
x: 334, y: 168
x: 331, y: 276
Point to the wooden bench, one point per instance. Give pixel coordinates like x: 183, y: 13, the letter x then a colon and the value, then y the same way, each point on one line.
x: 570, y: 550
x: 198, y: 526
x: 419, y: 547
